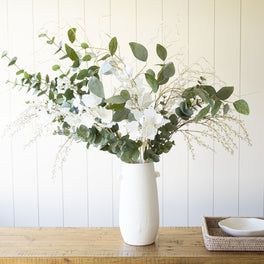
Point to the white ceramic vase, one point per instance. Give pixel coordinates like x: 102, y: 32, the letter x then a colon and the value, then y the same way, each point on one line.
x: 138, y: 208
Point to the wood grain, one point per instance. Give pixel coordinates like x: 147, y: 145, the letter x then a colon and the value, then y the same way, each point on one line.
x: 105, y: 245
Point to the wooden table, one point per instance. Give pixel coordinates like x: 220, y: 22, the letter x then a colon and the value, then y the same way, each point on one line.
x: 104, y: 245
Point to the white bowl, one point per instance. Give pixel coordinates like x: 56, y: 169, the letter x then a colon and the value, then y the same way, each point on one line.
x: 243, y: 227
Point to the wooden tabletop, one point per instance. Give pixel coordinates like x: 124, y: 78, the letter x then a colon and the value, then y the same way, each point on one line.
x: 105, y: 245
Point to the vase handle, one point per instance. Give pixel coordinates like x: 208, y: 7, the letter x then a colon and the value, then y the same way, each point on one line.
x: 157, y: 174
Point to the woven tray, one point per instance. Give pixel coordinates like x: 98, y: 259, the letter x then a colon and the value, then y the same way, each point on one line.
x: 217, y: 240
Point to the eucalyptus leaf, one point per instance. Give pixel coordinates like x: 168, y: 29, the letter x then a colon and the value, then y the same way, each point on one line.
x: 19, y: 72
x: 55, y: 67
x: 202, y: 113
x: 84, y: 45
x: 152, y: 82
x: 125, y: 94
x: 226, y: 109
x: 216, y: 108
x: 139, y: 51
x: 225, y: 92
x: 4, y: 53
x: 161, y: 51
x: 72, y: 34
x: 82, y: 74
x: 121, y: 114
x: 71, y: 53
x: 13, y: 61
x: 241, y: 107
x: 151, y: 72
x: 116, y: 99
x: 105, y: 57
x: 113, y: 46
x: 86, y: 58
x: 168, y: 70
x: 96, y: 87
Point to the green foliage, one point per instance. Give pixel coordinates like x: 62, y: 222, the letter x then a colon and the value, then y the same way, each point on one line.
x: 202, y: 113
x: 55, y: 67
x: 82, y: 74
x: 72, y: 34
x: 13, y: 61
x: 225, y: 92
x: 84, y: 45
x: 161, y: 51
x: 139, y: 51
x: 216, y: 108
x: 113, y: 46
x: 96, y: 87
x: 241, y: 107
x: 71, y: 53
x: 153, y: 83
x: 121, y: 114
x: 4, y: 54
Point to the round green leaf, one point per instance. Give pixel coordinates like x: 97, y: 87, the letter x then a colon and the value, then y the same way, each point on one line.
x: 72, y: 34
x: 55, y: 67
x: 152, y: 82
x: 168, y: 70
x: 96, y: 87
x: 113, y: 46
x: 86, y: 58
x: 161, y: 51
x: 225, y: 92
x: 82, y: 74
x: 241, y: 107
x: 151, y: 72
x: 139, y: 51
x: 125, y: 94
x: 84, y: 45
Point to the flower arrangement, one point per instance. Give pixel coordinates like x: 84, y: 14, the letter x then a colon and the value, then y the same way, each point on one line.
x: 137, y: 121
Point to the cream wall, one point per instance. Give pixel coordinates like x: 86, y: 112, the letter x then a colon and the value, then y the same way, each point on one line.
x: 228, y: 33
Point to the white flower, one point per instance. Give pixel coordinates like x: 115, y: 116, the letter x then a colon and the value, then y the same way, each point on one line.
x: 91, y: 100
x: 105, y: 115
x: 107, y: 68
x: 133, y: 130
x: 150, y: 122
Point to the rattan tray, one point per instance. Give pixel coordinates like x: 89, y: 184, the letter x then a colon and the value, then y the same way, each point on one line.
x: 217, y: 240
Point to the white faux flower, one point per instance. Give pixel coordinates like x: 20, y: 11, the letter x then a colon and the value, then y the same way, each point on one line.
x: 150, y: 122
x: 133, y: 130
x: 107, y: 68
x: 91, y: 100
x: 105, y: 115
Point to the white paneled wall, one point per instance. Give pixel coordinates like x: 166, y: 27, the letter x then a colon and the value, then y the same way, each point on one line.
x: 228, y: 33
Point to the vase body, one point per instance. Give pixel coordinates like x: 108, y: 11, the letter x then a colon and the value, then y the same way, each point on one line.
x: 138, y: 208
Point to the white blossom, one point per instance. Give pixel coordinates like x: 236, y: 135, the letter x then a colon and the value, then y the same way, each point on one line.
x: 91, y: 100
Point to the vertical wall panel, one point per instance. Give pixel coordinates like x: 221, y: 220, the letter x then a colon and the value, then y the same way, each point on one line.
x: 97, y: 19
x: 25, y: 180
x: 6, y: 183
x: 227, y: 27
x: 175, y: 166
x: 50, y: 188
x: 252, y: 57
x: 201, y: 39
x: 74, y: 169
